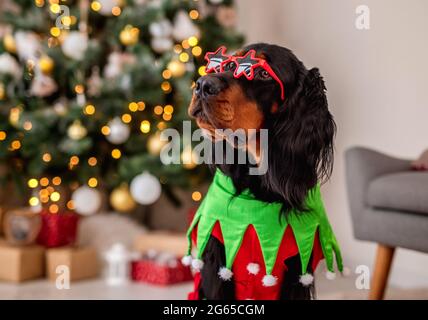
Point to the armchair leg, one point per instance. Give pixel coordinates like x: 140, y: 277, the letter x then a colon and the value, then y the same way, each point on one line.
x: 383, y: 263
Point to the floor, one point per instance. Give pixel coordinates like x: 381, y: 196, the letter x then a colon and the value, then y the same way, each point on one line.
x: 341, y: 288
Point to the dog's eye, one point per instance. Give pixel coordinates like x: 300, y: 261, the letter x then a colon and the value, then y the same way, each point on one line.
x: 264, y: 74
x: 229, y: 66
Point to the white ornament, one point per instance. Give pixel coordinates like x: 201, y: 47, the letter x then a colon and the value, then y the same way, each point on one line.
x: 184, y: 28
x: 225, y: 274
x: 119, y: 131
x: 116, y: 62
x: 330, y: 275
x: 87, y: 201
x: 75, y: 45
x: 306, y: 279
x: 27, y: 45
x: 8, y: 65
x: 145, y: 188
x: 42, y: 85
x: 269, y: 280
x: 117, y: 264
x: 253, y: 268
x: 161, y: 29
x: 107, y: 6
x: 161, y: 45
x: 197, y: 264
x: 186, y: 260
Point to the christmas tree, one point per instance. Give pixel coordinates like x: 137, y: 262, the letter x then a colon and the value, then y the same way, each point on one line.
x: 86, y: 87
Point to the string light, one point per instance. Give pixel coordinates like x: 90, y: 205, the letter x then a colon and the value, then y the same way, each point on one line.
x: 33, y: 183
x: 27, y: 125
x: 92, y: 161
x: 78, y: 88
x: 3, y: 135
x: 53, y: 208
x: 194, y: 14
x: 15, y: 145
x: 105, y: 130
x: 166, y: 116
x: 166, y: 74
x: 161, y: 125
x: 193, y: 41
x: 158, y: 110
x: 70, y: 205
x: 133, y: 106
x: 185, y: 44
x: 141, y: 106
x: 196, y: 196
x: 39, y: 3
x: 126, y: 118
x: 55, y: 196
x: 116, y: 154
x: 96, y: 6
x: 145, y: 126
x: 43, y: 193
x: 66, y: 21
x: 116, y: 11
x: 74, y: 160
x: 92, y: 182
x: 201, y: 71
x: 166, y: 86
x: 47, y: 157
x: 33, y: 201
x: 178, y: 48
x: 55, y: 32
x: 56, y: 181
x: 197, y: 51
x: 89, y: 109
x: 169, y: 109
x: 183, y: 57
x: 54, y: 8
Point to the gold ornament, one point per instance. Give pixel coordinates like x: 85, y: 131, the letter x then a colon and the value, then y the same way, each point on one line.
x: 177, y: 68
x: 121, y: 199
x: 129, y: 35
x: 77, y: 131
x: 9, y: 43
x: 46, y: 64
x: 155, y: 144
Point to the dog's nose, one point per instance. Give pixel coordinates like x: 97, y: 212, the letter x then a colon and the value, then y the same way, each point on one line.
x: 207, y: 86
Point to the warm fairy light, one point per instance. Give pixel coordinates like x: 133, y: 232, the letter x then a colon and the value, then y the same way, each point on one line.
x: 79, y: 88
x: 158, y: 110
x: 145, y: 126
x: 16, y: 144
x: 44, y: 181
x: 3, y: 135
x: 89, y: 109
x: 55, y: 32
x: 39, y: 3
x: 105, y: 130
x: 194, y: 14
x: 55, y: 196
x: 197, y: 51
x: 66, y: 21
x: 126, y: 118
x: 116, y: 11
x: 184, y: 57
x: 54, y: 8
x: 92, y: 182
x: 53, y: 208
x: 196, y: 196
x: 166, y: 116
x: 44, y: 193
x: 27, y: 125
x: 33, y: 201
x: 193, y: 41
x: 169, y: 109
x: 95, y: 5
x: 201, y: 71
x: 14, y: 115
x: 166, y: 86
x: 70, y: 205
x: 141, y: 106
x: 56, y: 181
x: 92, y: 161
x: 178, y: 48
x: 133, y: 106
x: 116, y: 154
x: 50, y: 189
x: 185, y: 44
x: 33, y: 183
x: 166, y: 74
x: 47, y: 157
x: 161, y: 125
x: 74, y: 160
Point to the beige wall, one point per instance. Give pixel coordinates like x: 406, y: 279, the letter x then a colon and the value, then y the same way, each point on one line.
x: 377, y: 88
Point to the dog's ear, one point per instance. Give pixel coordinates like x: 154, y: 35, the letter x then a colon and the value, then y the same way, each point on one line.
x: 301, y: 141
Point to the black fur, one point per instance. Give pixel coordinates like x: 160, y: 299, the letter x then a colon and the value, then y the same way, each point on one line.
x: 301, y: 135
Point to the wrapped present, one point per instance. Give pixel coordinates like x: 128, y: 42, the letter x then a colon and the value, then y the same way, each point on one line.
x: 20, y: 263
x: 58, y: 229
x: 81, y: 262
x: 162, y: 241
x: 161, y: 269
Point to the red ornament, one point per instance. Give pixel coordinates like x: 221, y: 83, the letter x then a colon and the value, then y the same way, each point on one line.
x: 152, y: 272
x: 59, y: 229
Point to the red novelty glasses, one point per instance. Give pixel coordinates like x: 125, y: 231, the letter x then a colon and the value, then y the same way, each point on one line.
x: 245, y: 65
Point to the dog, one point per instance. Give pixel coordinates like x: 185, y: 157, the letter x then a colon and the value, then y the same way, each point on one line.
x: 289, y: 101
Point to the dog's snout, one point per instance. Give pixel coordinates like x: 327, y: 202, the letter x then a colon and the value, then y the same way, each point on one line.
x: 208, y: 86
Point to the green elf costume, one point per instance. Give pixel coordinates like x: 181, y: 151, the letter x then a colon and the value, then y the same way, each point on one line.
x: 257, y: 239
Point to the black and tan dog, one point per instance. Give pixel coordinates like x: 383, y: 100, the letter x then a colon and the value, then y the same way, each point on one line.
x: 301, y: 132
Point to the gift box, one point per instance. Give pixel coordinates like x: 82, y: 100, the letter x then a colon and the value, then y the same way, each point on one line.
x: 58, y: 229
x: 151, y: 271
x: 20, y: 263
x: 162, y: 241
x: 82, y: 262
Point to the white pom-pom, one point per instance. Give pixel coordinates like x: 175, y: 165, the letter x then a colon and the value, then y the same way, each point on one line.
x: 269, y: 280
x: 186, y: 260
x: 306, y: 279
x: 330, y: 275
x: 253, y: 268
x: 197, y: 264
x: 225, y: 274
x: 346, y: 272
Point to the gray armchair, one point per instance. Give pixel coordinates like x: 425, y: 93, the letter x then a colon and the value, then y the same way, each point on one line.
x: 389, y: 206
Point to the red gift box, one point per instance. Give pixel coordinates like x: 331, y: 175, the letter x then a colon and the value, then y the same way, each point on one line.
x: 59, y: 229
x: 152, y: 272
